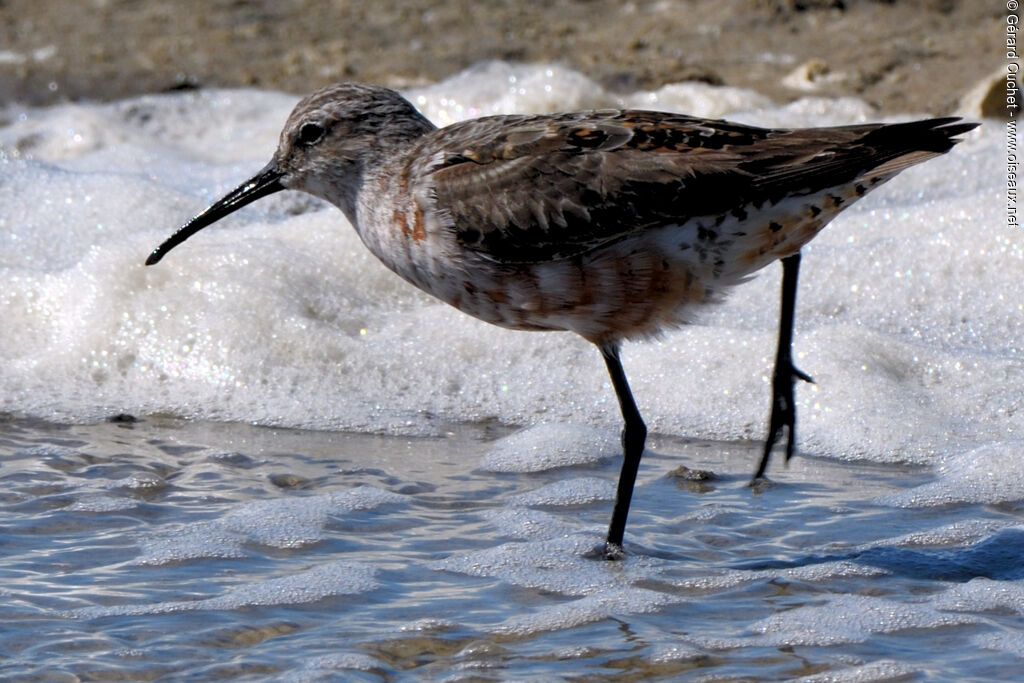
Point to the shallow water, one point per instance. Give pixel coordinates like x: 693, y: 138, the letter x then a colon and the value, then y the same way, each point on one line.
x: 163, y: 549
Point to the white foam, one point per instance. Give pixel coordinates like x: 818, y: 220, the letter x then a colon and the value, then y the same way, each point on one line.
x: 906, y: 311
x: 549, y: 446
x: 1008, y: 642
x: 292, y: 522
x: 310, y: 585
x: 850, y: 619
x: 990, y: 474
x: 585, y: 610
x: 699, y: 99
x: 564, y: 564
x: 872, y: 672
x: 956, y: 534
x: 333, y: 578
x: 525, y: 523
x: 99, y: 502
x: 811, y: 573
x: 576, y: 491
x: 663, y: 653
x: 497, y: 87
x: 984, y: 595
x: 325, y: 667
x: 429, y: 625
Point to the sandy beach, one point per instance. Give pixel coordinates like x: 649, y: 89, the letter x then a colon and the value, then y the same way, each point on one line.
x: 917, y: 56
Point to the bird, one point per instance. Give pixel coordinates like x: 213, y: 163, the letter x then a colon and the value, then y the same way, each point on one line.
x: 614, y: 224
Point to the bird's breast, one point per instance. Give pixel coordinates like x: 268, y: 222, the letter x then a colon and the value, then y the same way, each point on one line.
x: 631, y: 288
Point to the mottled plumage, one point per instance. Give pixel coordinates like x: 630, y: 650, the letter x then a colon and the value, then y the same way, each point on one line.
x: 612, y: 224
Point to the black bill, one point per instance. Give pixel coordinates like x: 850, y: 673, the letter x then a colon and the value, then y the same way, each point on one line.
x: 266, y: 182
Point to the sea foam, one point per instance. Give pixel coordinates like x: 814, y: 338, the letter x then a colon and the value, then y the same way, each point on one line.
x: 909, y: 311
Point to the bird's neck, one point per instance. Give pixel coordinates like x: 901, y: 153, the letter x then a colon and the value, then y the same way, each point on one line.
x: 382, y: 152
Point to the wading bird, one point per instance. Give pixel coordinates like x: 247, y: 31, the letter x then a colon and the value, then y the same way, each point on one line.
x: 613, y: 224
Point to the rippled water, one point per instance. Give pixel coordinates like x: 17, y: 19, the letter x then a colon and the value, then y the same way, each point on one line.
x: 167, y: 549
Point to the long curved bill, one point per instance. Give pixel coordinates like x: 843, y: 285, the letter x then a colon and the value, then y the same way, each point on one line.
x: 266, y: 182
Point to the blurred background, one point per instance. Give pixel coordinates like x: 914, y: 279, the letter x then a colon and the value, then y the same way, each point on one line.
x: 923, y: 56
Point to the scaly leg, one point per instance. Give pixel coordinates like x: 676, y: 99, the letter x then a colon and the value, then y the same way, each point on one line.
x: 786, y: 374
x: 634, y: 433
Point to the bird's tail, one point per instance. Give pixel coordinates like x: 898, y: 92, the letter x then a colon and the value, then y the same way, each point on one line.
x: 915, y: 141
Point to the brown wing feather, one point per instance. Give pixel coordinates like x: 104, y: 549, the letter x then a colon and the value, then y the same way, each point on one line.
x: 560, y: 186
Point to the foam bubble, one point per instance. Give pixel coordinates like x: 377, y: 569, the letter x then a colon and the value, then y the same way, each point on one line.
x: 881, y: 670
x: 1009, y: 642
x: 811, y: 573
x: 549, y: 446
x: 905, y: 311
x: 564, y: 564
x: 326, y: 667
x: 497, y: 87
x: 292, y: 522
x: 699, y: 99
x: 577, y: 491
x: 586, y: 610
x: 984, y: 595
x: 102, y: 503
x: 663, y: 653
x: 957, y: 533
x: 319, y: 582
x: 990, y: 474
x: 850, y: 619
x: 525, y: 523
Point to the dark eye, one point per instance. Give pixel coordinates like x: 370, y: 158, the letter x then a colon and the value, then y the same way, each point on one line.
x: 310, y: 134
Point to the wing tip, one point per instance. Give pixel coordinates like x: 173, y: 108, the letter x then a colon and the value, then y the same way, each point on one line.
x: 937, y: 135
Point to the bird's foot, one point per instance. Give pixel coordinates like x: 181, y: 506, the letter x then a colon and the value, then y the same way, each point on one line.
x: 783, y: 413
x: 614, y: 552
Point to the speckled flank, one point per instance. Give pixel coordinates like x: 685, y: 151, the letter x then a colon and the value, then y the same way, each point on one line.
x: 640, y: 286
x: 783, y: 230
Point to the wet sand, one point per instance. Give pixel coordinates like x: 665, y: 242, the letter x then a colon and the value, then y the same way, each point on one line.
x: 917, y: 56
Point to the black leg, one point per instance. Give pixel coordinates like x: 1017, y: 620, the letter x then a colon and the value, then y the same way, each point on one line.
x: 634, y: 433
x: 786, y: 374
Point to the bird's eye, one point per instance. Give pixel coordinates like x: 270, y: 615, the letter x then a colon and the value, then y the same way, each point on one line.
x: 310, y: 134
